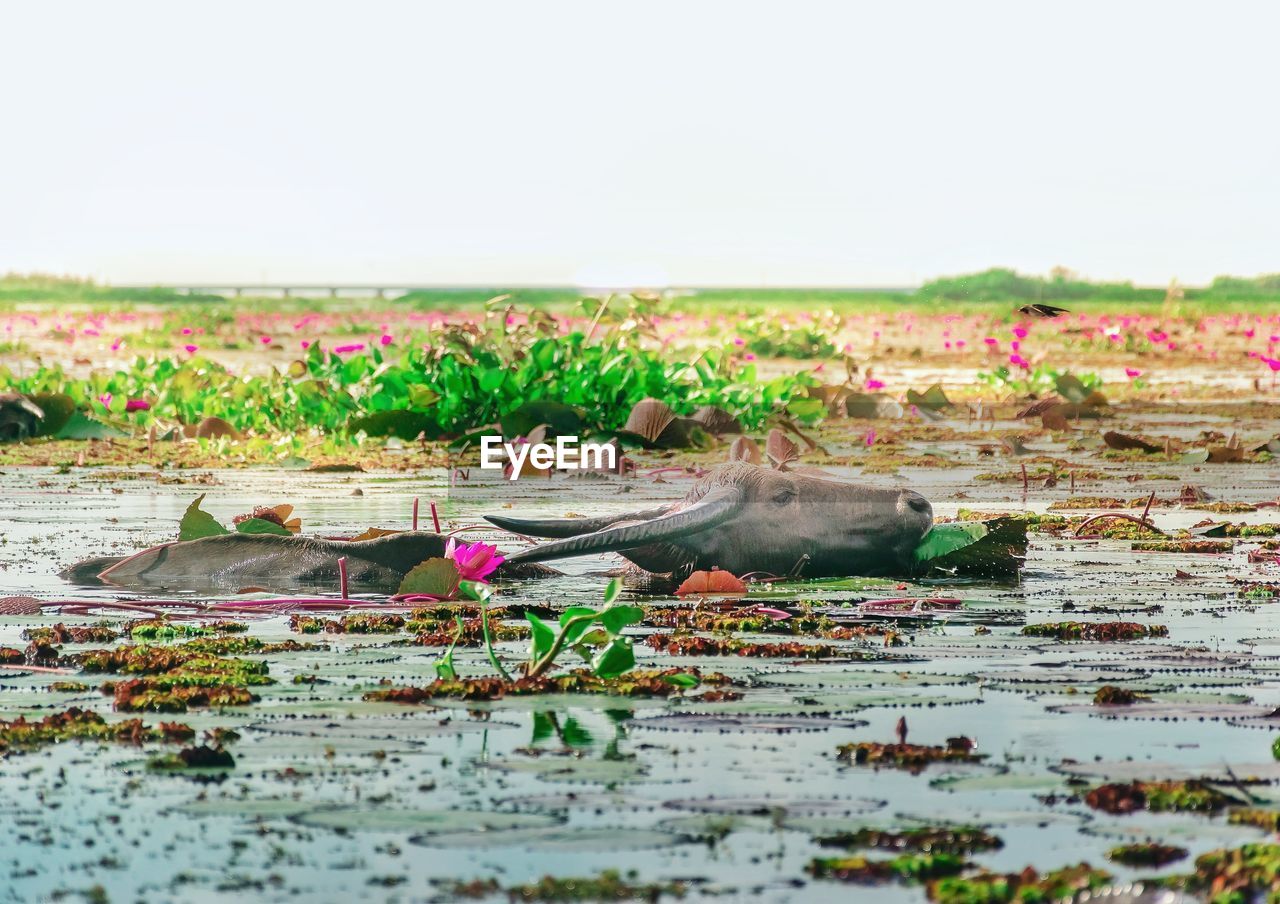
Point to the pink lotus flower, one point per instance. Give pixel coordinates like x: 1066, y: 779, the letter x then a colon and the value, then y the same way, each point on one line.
x: 192, y: 348
x: 1132, y: 373
x: 137, y: 405
x: 1020, y: 332
x: 475, y: 561
x: 1272, y: 363
x: 874, y: 384
x: 345, y: 349
x: 385, y: 340
x: 265, y: 340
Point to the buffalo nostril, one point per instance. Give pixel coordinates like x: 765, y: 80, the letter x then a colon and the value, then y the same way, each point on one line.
x: 919, y: 503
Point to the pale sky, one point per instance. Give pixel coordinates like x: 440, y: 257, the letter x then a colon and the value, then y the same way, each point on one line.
x: 603, y: 143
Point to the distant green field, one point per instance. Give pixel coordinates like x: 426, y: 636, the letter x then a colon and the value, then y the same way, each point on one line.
x: 978, y: 292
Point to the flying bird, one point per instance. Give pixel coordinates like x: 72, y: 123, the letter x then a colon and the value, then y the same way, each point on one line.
x: 1042, y: 310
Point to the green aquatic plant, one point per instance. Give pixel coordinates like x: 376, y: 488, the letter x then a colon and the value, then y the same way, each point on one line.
x: 948, y: 839
x: 906, y: 868
x: 1146, y: 854
x: 76, y: 724
x: 609, y: 885
x: 636, y: 683
x: 1026, y: 887
x: 1157, y: 797
x: 1095, y: 631
x: 912, y: 757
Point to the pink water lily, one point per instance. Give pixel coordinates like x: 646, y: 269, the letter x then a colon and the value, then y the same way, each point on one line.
x: 475, y: 561
x: 137, y: 405
x: 1132, y: 373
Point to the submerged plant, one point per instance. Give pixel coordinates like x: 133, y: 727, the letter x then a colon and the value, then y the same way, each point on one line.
x: 912, y: 757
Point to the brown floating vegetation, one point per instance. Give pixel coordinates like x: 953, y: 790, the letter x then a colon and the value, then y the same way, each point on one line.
x: 658, y: 683
x: 75, y: 724
x: 679, y: 644
x: 948, y: 839
x: 1157, y: 797
x: 912, y: 757
x: 1099, y: 631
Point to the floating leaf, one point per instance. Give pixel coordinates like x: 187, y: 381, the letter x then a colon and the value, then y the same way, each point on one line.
x: 932, y: 399
x: 683, y: 679
x: 435, y: 577
x: 81, y: 426
x: 1124, y: 441
x: 261, y: 526
x: 708, y: 582
x: 947, y: 538
x: 197, y: 523
x: 373, y: 533
x: 992, y: 548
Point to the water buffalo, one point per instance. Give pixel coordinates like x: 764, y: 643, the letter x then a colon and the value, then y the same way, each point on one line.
x: 744, y: 518
x: 234, y: 562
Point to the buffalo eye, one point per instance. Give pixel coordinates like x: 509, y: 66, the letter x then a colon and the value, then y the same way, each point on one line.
x: 783, y: 496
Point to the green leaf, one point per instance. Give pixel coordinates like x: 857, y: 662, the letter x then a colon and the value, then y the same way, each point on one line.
x: 422, y: 396
x: 998, y: 553
x: 197, y: 523
x: 932, y: 399
x: 947, y: 538
x: 615, y: 659
x: 571, y: 614
x: 435, y: 577
x: 594, y: 638
x: 1070, y: 388
x: 611, y: 592
x: 81, y: 426
x: 806, y: 409
x: 476, y: 591
x: 615, y: 618
x: 544, y: 726
x: 684, y: 679
x: 574, y: 735
x: 444, y: 665
x: 543, y: 637
x: 261, y: 526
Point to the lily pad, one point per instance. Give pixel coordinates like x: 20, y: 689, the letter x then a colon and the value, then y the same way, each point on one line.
x: 572, y: 769
x: 435, y: 577
x: 766, y: 806
x: 555, y: 840
x: 746, y: 722
x: 1199, y: 712
x: 422, y: 822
